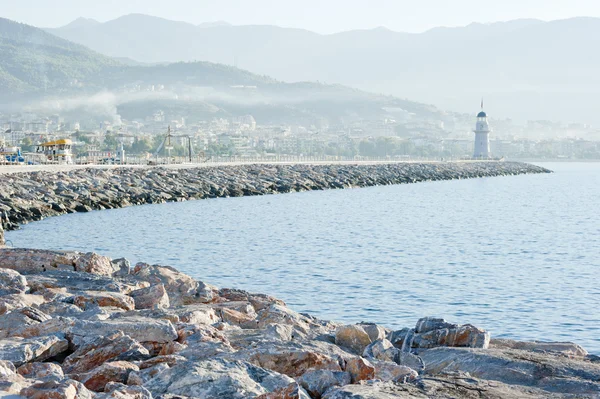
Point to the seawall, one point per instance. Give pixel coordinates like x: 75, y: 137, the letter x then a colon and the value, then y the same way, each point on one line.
x: 32, y: 196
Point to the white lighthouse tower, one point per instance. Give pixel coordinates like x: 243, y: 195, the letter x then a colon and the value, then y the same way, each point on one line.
x: 482, y: 136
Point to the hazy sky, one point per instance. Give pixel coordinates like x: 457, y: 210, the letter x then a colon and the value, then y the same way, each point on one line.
x: 325, y: 16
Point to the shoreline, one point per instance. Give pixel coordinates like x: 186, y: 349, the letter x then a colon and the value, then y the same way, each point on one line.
x: 31, y: 196
x: 81, y: 325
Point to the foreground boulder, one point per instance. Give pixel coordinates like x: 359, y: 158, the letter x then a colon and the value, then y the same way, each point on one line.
x: 211, y: 379
x: 19, y: 350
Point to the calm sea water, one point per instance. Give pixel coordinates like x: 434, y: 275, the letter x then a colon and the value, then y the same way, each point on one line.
x: 519, y: 256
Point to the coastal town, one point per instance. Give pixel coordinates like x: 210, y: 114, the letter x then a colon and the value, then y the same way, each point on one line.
x: 171, y: 137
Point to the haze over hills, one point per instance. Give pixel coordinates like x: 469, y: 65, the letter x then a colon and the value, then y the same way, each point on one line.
x: 528, y: 69
x: 39, y: 71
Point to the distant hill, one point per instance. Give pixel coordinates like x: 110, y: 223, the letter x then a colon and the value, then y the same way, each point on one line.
x: 32, y: 60
x: 527, y: 69
x: 48, y: 73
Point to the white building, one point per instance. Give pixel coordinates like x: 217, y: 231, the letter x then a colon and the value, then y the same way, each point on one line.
x: 482, y: 136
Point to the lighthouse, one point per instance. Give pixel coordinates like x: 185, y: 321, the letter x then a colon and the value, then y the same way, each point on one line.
x: 482, y: 136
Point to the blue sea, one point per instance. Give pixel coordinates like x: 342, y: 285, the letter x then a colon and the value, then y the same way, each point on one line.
x: 518, y: 256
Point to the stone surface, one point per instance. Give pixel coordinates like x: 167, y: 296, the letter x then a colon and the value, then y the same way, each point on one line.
x: 554, y: 373
x: 141, y: 329
x: 140, y: 377
x: 115, y: 390
x: 359, y: 369
x: 153, y: 297
x: 41, y: 371
x: 19, y: 351
x: 382, y: 349
x: 292, y: 391
x: 97, y: 378
x: 103, y: 299
x: 99, y: 350
x: 181, y: 288
x: 389, y: 371
x: 565, y: 348
x: 65, y: 389
x: 294, y: 363
x: 217, y: 379
x: 12, y: 282
x: 353, y: 337
x: 317, y: 382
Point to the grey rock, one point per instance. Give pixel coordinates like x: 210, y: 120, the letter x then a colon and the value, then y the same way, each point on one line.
x: 317, y: 382
x: 19, y: 350
x: 217, y: 379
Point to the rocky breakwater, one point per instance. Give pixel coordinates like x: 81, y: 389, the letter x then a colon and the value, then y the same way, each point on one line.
x: 26, y: 197
x: 75, y: 325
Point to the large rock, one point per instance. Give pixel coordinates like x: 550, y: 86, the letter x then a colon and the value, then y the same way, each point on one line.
x: 141, y: 329
x: 360, y: 369
x: 116, y: 390
x: 12, y: 302
x: 153, y: 297
x: 317, y: 382
x: 181, y: 288
x: 565, y: 348
x: 382, y: 349
x: 353, y: 337
x: 65, y: 389
x: 97, y: 378
x: 24, y: 350
x: 433, y: 332
x: 293, y: 391
x: 35, y: 260
x: 140, y: 377
x: 99, y: 350
x: 388, y: 371
x: 103, y: 299
x: 11, y: 282
x: 278, y: 314
x: 94, y: 264
x: 551, y: 372
x: 217, y: 379
x: 41, y: 371
x: 294, y: 363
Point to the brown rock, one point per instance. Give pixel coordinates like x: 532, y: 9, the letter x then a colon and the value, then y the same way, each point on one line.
x: 461, y: 336
x: 16, y: 321
x: 97, y: 378
x: 153, y: 297
x: 99, y: 351
x: 353, y: 337
x: 94, y: 264
x: 234, y: 317
x: 170, y: 360
x: 66, y: 389
x: 292, y: 391
x: 41, y: 371
x: 360, y: 369
x: 103, y: 299
x: 295, y: 363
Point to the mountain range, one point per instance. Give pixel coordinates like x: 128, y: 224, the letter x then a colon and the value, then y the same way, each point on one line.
x: 42, y: 72
x: 527, y: 69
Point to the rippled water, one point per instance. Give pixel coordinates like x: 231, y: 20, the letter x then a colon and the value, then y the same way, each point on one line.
x: 519, y: 256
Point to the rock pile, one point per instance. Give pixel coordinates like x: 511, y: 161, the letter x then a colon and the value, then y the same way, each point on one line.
x: 75, y: 325
x: 26, y: 197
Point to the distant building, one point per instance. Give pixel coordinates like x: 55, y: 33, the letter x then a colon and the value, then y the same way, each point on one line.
x: 482, y: 136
